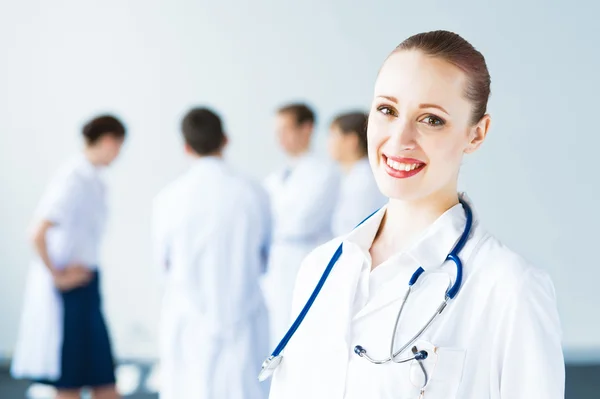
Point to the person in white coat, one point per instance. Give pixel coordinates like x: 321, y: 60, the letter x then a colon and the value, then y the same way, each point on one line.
x: 359, y: 195
x: 303, y: 196
x: 492, y: 331
x: 211, y: 237
x: 63, y: 339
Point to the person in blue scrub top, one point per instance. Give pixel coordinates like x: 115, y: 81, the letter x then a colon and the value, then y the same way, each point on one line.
x: 63, y: 339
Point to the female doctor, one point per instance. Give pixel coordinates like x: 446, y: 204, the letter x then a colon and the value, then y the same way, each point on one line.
x: 359, y: 195
x: 63, y: 340
x: 420, y: 300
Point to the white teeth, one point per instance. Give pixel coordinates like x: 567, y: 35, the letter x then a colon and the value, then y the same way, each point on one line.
x: 405, y: 167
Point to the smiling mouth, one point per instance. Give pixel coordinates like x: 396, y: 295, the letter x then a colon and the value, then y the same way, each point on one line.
x: 402, y: 167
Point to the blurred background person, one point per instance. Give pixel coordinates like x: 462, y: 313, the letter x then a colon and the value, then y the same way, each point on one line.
x: 303, y: 195
x: 211, y: 235
x: 63, y: 339
x: 359, y: 195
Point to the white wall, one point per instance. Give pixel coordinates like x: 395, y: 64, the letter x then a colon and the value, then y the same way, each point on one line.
x: 534, y: 182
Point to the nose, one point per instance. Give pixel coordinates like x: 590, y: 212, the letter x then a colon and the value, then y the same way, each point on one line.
x: 404, y: 135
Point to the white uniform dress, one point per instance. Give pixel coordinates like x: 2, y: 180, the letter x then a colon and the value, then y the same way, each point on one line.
x: 500, y: 338
x: 303, y: 198
x: 211, y: 232
x: 358, y: 198
x: 75, y: 201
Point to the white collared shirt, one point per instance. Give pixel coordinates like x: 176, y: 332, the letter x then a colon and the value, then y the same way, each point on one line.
x: 500, y: 338
x: 75, y: 201
x: 303, y: 197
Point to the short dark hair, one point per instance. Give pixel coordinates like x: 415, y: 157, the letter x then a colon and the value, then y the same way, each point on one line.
x: 301, y: 112
x: 102, y: 125
x: 353, y: 123
x: 203, y: 131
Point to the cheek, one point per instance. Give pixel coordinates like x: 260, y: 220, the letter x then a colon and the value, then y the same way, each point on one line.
x: 444, y: 153
x: 376, y: 132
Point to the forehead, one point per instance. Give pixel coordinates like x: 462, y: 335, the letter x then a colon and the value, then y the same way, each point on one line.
x: 285, y: 118
x: 413, y: 77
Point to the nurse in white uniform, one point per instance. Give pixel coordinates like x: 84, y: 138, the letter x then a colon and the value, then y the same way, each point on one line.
x: 63, y: 340
x: 211, y: 237
x: 303, y: 196
x: 488, y: 329
x: 359, y: 195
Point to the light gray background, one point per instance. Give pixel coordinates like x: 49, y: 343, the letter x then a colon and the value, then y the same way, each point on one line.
x: 535, y: 181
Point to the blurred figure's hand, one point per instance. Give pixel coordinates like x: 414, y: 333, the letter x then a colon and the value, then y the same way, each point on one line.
x: 72, y: 277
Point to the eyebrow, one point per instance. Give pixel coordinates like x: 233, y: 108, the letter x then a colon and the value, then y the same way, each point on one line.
x: 390, y: 98
x: 395, y: 100
x: 433, y: 106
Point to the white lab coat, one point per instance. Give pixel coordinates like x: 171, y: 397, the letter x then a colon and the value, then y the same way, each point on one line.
x: 211, y: 233
x: 499, y: 339
x: 75, y: 201
x: 302, y: 204
x: 358, y: 198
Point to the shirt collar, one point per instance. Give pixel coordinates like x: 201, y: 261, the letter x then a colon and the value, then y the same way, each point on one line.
x: 431, y: 249
x: 205, y: 161
x: 88, y: 168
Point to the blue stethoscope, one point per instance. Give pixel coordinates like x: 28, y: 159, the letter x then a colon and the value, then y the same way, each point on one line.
x: 273, y: 361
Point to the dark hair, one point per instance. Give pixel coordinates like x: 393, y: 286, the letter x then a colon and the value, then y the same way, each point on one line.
x: 459, y: 52
x: 103, y: 125
x: 353, y: 123
x: 203, y: 131
x: 301, y: 112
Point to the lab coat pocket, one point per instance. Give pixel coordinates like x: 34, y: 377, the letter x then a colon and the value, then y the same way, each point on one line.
x: 445, y: 372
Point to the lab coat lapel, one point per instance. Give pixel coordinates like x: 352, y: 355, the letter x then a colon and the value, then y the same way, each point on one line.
x: 429, y: 252
x: 394, y: 290
x: 340, y: 290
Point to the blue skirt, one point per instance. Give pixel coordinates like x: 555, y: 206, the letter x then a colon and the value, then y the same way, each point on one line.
x: 87, y: 359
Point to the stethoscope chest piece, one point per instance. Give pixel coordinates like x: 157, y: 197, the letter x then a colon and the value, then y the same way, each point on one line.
x: 269, y: 366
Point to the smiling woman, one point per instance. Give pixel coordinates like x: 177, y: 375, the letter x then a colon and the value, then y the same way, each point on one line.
x: 496, y: 333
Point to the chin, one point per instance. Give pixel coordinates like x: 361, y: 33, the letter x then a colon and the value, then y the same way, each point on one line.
x: 402, y: 194
x: 401, y: 190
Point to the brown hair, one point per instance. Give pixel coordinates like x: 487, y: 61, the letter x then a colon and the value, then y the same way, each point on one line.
x: 353, y: 123
x: 101, y: 126
x: 302, y: 113
x: 459, y: 52
x: 203, y: 131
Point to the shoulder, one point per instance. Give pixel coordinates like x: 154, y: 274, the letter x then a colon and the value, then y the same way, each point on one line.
x: 507, y: 272
x: 315, y: 263
x: 68, y: 178
x: 249, y: 187
x: 361, y: 179
x: 172, y: 190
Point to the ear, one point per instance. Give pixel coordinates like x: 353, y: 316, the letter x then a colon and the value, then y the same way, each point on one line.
x: 307, y: 128
x: 188, y: 150
x: 478, y: 134
x: 225, y: 142
x: 354, y: 140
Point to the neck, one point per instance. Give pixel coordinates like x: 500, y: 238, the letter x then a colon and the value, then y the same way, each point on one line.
x: 348, y: 164
x: 216, y: 154
x: 92, y: 156
x: 404, y: 221
x: 298, y: 154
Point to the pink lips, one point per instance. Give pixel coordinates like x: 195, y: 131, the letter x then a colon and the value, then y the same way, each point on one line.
x: 402, y: 174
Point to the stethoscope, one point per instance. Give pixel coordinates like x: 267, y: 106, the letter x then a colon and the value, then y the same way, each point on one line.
x: 273, y: 361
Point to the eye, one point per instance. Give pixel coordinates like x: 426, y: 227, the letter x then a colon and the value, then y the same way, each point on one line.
x: 434, y: 121
x: 387, y: 110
